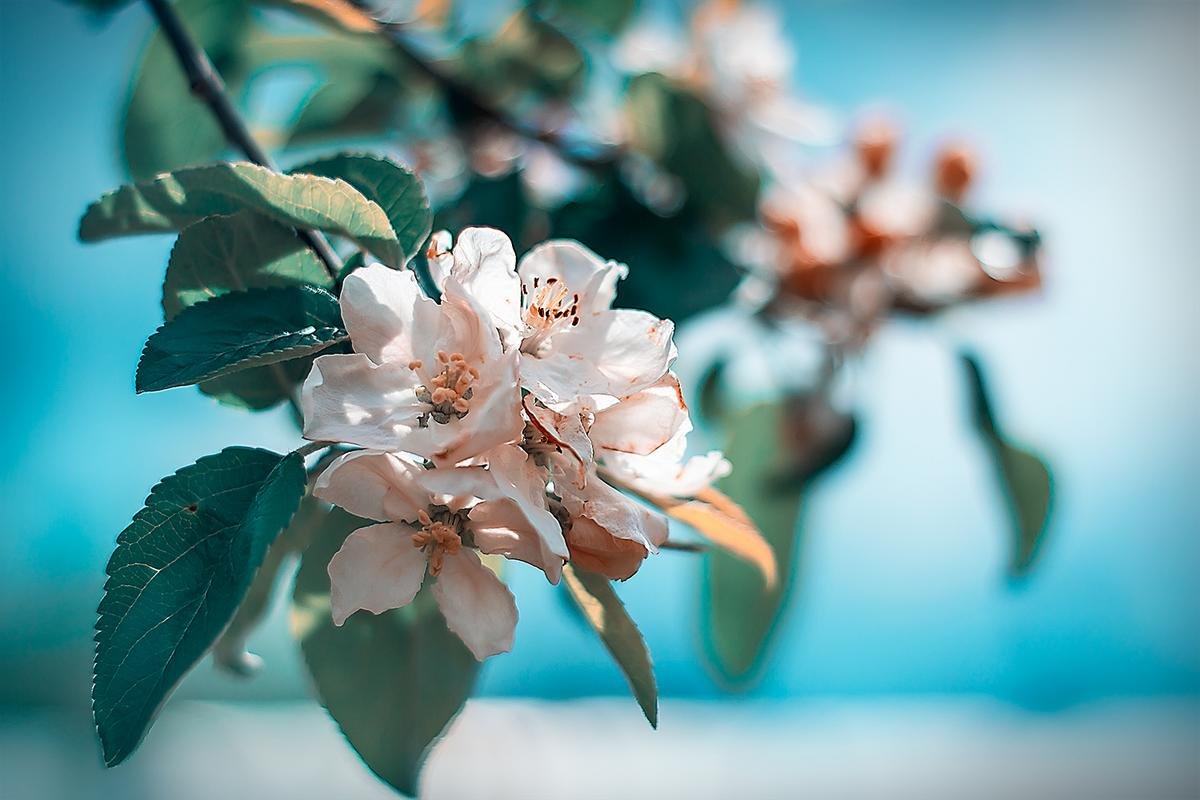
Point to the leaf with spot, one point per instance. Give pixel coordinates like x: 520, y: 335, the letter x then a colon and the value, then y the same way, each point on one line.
x: 390, y: 186
x: 172, y: 201
x: 177, y: 576
x: 392, y: 682
x: 606, y: 614
x: 1024, y: 477
x: 239, y: 330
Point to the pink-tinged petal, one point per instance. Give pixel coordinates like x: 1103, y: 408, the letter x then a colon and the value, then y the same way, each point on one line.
x: 566, y: 431
x: 596, y: 550
x: 518, y: 479
x: 577, y: 268
x: 456, y: 488
x: 374, y: 485
x: 477, y: 605
x: 349, y: 398
x: 642, y: 422
x: 500, y: 527
x: 621, y: 516
x: 494, y: 417
x: 439, y: 258
x: 467, y: 326
x: 387, y: 315
x: 671, y: 477
x: 485, y: 267
x: 377, y: 569
x: 617, y: 353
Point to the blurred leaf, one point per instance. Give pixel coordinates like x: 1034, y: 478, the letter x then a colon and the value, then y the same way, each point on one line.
x: 390, y: 186
x: 739, y: 612
x: 164, y: 126
x: 527, y: 54
x: 339, y: 13
x: 720, y: 520
x: 230, y: 653
x: 1024, y: 478
x: 178, y: 574
x: 241, y: 251
x: 675, y: 129
x: 392, y: 682
x: 100, y: 6
x: 491, y: 202
x: 352, y: 101
x: 239, y: 330
x: 172, y: 201
x: 663, y: 253
x: 607, y: 615
x: 604, y: 17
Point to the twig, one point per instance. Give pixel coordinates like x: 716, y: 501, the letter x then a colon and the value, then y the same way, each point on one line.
x: 605, y: 155
x: 206, y: 84
x: 684, y: 547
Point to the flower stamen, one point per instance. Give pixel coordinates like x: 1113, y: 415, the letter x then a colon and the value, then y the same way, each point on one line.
x: 449, y: 392
x: 440, y: 535
x: 550, y: 304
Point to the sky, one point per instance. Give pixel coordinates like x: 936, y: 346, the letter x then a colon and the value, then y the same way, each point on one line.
x: 1086, y: 115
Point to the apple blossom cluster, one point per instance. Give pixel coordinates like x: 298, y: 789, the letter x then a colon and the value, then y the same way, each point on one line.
x: 499, y: 421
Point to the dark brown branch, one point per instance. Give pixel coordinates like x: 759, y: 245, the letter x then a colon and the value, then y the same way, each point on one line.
x: 206, y: 84
x: 684, y: 547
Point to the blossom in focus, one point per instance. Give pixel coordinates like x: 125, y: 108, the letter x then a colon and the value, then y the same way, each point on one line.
x: 431, y: 522
x: 426, y: 378
x: 555, y: 309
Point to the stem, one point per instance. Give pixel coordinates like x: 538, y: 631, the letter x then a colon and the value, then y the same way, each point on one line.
x: 459, y: 92
x: 312, y: 447
x: 684, y: 547
x: 206, y: 84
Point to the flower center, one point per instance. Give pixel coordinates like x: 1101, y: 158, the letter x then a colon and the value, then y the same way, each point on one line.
x: 550, y: 304
x: 449, y: 393
x: 440, y: 535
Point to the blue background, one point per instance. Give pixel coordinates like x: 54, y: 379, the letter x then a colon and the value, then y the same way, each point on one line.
x: 1087, y: 117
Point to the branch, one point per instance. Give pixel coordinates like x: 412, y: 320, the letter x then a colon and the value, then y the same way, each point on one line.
x: 600, y: 157
x: 206, y: 84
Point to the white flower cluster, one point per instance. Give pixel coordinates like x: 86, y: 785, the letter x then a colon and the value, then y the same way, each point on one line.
x: 497, y: 421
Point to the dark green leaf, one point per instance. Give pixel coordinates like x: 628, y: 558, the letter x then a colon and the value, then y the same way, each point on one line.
x: 393, y: 188
x: 739, y: 612
x: 606, y: 613
x: 604, y: 17
x: 172, y: 201
x: 233, y: 253
x: 1024, y: 477
x: 526, y: 54
x: 239, y: 330
x: 177, y: 575
x: 392, y: 682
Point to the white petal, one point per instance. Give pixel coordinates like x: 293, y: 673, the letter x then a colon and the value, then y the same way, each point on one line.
x: 655, y: 475
x: 617, y: 353
x: 566, y: 430
x: 494, y: 417
x: 621, y: 516
x: 578, y: 268
x: 377, y: 569
x: 439, y: 258
x: 519, y: 480
x: 596, y: 550
x: 485, y: 266
x: 387, y: 315
x: 477, y: 605
x: 374, y: 485
x: 642, y: 422
x: 350, y: 398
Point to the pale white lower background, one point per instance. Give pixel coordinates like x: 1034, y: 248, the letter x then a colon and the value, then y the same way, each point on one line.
x: 601, y: 748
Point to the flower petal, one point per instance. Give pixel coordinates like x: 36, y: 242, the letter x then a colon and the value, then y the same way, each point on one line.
x: 485, y: 267
x: 350, y: 398
x: 494, y: 417
x: 387, y: 315
x: 595, y: 549
x: 614, y: 512
x: 377, y: 569
x: 477, y: 605
x: 576, y: 267
x: 374, y: 485
x: 565, y: 430
x: 617, y: 353
x: 642, y: 422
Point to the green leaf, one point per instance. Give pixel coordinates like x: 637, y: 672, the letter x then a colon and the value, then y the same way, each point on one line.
x: 239, y: 330
x: 177, y: 575
x: 233, y: 253
x: 1025, y: 479
x: 172, y: 201
x: 393, y: 188
x: 606, y: 613
x: 526, y: 54
x: 739, y: 613
x: 392, y: 682
x: 605, y: 17
x: 164, y: 125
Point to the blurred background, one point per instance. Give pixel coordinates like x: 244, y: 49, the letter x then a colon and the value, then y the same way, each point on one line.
x: 905, y: 665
